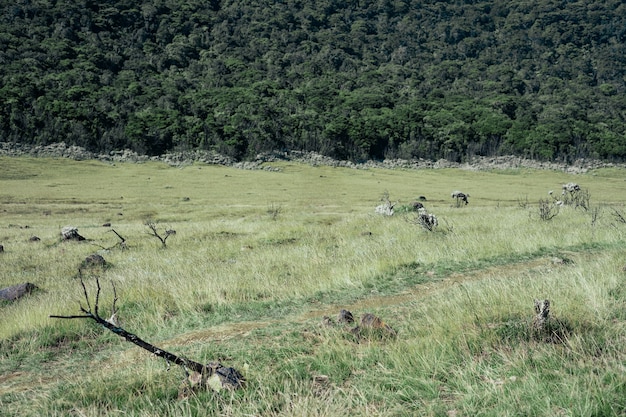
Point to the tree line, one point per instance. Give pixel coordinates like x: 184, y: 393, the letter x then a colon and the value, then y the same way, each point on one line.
x: 351, y: 79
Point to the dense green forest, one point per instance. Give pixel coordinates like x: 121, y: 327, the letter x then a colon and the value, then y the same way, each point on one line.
x: 351, y: 79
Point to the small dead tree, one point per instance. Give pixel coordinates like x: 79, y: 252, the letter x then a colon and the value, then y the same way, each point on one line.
x: 121, y: 243
x: 573, y: 195
x: 274, y: 210
x: 211, y: 375
x: 548, y: 209
x: 547, y: 328
x: 542, y: 310
x: 460, y: 198
x: 427, y: 221
x: 154, y: 232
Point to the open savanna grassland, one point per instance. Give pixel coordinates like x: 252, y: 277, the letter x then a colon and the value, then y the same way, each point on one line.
x: 260, y: 257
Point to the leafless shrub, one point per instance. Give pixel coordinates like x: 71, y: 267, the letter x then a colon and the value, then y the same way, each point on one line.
x: 619, y: 216
x: 151, y: 224
x: 595, y: 214
x: 573, y: 195
x: 523, y: 202
x: 386, y: 208
x: 461, y: 198
x: 425, y: 220
x: 274, y: 210
x: 548, y: 209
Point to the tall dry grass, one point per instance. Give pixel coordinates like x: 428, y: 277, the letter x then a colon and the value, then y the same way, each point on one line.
x: 257, y: 259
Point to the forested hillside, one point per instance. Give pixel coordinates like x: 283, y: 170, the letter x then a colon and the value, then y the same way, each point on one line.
x: 352, y: 79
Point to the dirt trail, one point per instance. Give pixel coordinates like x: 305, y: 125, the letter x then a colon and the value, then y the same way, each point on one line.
x: 418, y: 292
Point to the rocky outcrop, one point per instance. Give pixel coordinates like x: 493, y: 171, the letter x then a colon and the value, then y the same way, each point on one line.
x: 16, y: 291
x: 262, y: 160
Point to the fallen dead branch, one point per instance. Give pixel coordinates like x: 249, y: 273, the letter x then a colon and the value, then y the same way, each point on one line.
x: 211, y: 375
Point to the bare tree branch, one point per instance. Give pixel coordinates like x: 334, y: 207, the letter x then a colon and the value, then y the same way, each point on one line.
x: 229, y: 377
x: 154, y: 232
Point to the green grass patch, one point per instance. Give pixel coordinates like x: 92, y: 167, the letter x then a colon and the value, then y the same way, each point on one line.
x: 260, y: 258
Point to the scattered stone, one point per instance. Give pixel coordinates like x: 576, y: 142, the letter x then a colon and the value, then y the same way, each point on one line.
x: 345, y: 316
x: 1, y: 248
x: 71, y: 233
x: 327, y: 321
x: 106, y: 225
x: 370, y: 326
x: 34, y: 239
x: 371, y: 322
x: 94, y: 260
x: 17, y: 291
x: 217, y: 377
x: 561, y: 261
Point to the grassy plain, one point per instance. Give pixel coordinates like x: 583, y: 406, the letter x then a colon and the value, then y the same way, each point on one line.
x: 260, y: 257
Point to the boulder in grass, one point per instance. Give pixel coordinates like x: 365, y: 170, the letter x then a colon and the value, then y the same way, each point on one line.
x: 16, y: 291
x: 71, y: 233
x: 373, y: 326
x: 345, y: 316
x: 94, y: 260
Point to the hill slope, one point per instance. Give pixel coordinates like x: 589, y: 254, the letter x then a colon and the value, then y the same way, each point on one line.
x: 349, y: 79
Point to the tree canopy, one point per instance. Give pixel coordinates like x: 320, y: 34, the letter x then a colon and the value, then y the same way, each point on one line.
x: 351, y: 79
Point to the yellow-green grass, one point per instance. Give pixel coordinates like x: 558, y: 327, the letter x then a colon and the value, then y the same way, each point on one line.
x: 259, y: 257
